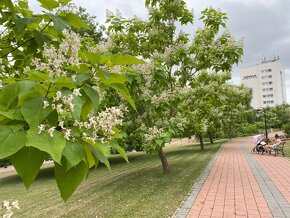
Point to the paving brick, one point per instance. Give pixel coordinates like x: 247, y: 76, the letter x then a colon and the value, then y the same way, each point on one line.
x: 239, y: 184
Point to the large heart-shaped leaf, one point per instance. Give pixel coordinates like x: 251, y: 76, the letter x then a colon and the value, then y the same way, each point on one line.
x: 68, y: 181
x: 33, y: 111
x: 74, y: 153
x: 11, y: 141
x: 54, y: 146
x: 27, y: 163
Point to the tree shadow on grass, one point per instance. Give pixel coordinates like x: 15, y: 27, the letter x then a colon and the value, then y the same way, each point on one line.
x: 44, y: 174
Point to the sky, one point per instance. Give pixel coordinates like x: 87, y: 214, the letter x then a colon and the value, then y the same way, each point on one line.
x: 264, y: 25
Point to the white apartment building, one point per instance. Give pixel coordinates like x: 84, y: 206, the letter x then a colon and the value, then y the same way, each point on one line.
x: 267, y: 80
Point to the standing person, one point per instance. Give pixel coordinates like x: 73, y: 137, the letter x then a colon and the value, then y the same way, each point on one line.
x: 277, y: 141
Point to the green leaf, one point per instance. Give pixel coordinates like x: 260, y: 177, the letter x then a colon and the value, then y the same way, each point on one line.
x: 8, y: 114
x: 23, y: 4
x: 64, y: 1
x: 93, y: 58
x: 27, y: 163
x: 101, y: 151
x: 9, y: 4
x: 40, y: 38
x: 109, y: 78
x: 93, y: 95
x: 124, y: 91
x: 9, y: 94
x: 89, y: 157
x: 49, y: 4
x: 33, y: 111
x: 22, y: 23
x: 159, y: 142
x: 75, y: 21
x: 54, y: 146
x: 68, y: 181
x: 78, y: 105
x: 102, y: 158
x: 11, y: 141
x: 121, y: 151
x: 59, y: 24
x: 87, y: 107
x: 82, y: 68
x: 120, y: 59
x: 37, y: 76
x: 74, y: 153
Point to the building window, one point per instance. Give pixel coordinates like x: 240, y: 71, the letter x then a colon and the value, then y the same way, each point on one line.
x: 267, y: 77
x: 249, y: 77
x: 266, y: 71
x: 267, y: 83
x: 268, y: 102
x: 268, y: 96
x: 267, y: 89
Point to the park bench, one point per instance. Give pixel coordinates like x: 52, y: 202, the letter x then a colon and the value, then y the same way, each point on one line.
x: 279, y: 149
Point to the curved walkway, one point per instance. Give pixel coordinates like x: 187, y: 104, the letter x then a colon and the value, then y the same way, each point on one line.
x: 240, y: 184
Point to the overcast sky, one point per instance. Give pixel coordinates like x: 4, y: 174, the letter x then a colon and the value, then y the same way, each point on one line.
x: 264, y: 24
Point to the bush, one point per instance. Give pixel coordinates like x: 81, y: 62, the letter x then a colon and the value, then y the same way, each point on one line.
x: 250, y: 129
x: 286, y: 130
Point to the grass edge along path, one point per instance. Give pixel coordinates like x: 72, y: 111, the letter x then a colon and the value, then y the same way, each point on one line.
x: 131, y: 190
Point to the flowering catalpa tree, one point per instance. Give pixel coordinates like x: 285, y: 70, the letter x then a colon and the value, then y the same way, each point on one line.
x: 173, y: 60
x: 52, y: 81
x: 235, y: 107
x: 203, y: 102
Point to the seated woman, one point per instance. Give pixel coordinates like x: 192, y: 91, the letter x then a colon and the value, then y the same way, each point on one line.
x: 277, y: 141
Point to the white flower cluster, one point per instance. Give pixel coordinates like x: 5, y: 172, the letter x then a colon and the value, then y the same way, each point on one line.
x: 63, y: 104
x: 103, y: 46
x: 170, y: 51
x: 152, y: 134
x: 66, y: 54
x: 110, y: 14
x: 113, y: 69
x: 43, y: 127
x: 165, y: 96
x: 146, y: 71
x: 66, y: 132
x: 7, y: 207
x: 102, y: 123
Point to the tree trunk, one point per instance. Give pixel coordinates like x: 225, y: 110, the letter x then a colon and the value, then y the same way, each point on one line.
x: 201, y: 142
x: 210, y: 138
x: 163, y: 161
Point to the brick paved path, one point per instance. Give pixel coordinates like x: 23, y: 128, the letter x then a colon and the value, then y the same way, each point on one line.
x: 241, y: 184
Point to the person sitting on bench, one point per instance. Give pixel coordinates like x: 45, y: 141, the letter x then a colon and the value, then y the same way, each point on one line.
x: 277, y: 141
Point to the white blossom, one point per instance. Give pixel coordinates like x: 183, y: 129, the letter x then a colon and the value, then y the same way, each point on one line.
x: 109, y: 13
x: 57, y: 58
x: 45, y: 104
x: 76, y: 92
x: 51, y: 131
x: 15, y: 204
x: 7, y: 207
x: 153, y: 133
x: 67, y: 133
x: 41, y: 128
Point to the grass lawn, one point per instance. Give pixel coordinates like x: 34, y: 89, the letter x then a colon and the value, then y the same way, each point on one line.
x: 287, y: 149
x: 137, y: 189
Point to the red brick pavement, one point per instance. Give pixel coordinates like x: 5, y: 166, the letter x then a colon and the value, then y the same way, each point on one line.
x: 277, y: 168
x: 231, y: 189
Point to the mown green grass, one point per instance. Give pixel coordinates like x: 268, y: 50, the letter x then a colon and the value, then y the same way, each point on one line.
x: 287, y: 149
x: 137, y: 189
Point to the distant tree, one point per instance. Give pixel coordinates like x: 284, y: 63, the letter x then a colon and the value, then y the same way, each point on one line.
x: 96, y: 31
x: 173, y: 58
